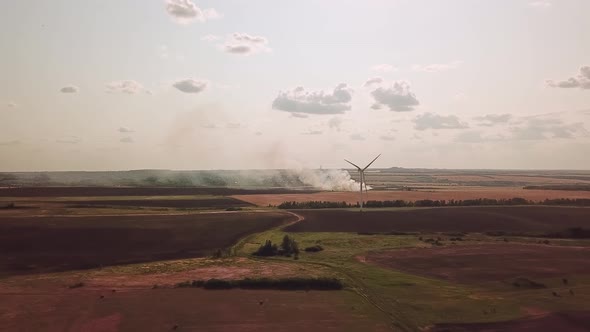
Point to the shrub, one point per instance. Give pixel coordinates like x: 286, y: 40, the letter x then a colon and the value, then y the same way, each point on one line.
x: 527, y: 283
x: 315, y: 248
x: 76, y: 285
x: 267, y: 249
x: 217, y: 284
x: 267, y: 283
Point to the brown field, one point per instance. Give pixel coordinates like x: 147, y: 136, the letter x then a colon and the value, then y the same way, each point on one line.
x: 209, y: 203
x: 488, y: 262
x: 134, y: 191
x: 190, y: 309
x: 448, y: 219
x: 42, y: 244
x: 577, y: 321
x: 435, y: 194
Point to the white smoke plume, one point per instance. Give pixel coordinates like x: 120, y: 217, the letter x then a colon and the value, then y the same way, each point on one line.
x: 329, y: 179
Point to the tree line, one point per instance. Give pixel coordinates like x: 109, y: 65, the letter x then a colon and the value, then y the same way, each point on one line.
x: 434, y: 203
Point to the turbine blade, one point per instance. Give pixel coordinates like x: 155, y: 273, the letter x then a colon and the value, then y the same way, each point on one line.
x: 371, y: 162
x: 352, y: 164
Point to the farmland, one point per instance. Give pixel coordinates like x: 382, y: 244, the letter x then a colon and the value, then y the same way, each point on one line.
x: 486, y: 263
x: 100, y: 258
x: 47, y: 244
x: 532, y: 219
x: 417, y: 194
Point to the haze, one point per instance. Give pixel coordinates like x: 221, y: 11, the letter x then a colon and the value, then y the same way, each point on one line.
x: 109, y: 85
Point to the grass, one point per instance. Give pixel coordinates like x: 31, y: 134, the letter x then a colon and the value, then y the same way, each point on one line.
x: 413, y: 302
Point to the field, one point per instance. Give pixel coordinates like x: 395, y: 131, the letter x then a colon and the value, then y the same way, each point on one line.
x: 188, y: 309
x: 414, y: 195
x: 487, y: 263
x: 48, y: 244
x: 533, y: 219
x: 113, y: 258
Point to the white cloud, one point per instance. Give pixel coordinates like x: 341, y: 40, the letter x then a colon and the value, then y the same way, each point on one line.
x: 299, y: 115
x: 539, y: 129
x: 11, y: 104
x: 127, y: 139
x: 126, y: 86
x: 436, y: 67
x: 435, y: 121
x: 163, y: 51
x: 10, y: 143
x: 384, y: 68
x: 540, y: 4
x: 245, y: 44
x: 69, y: 89
x: 318, y: 102
x: 387, y: 138
x: 210, y: 38
x: 69, y: 140
x: 258, y: 133
x: 357, y: 137
x: 191, y: 85
x: 397, y: 97
x: 335, y: 123
x: 312, y: 132
x: 582, y: 80
x: 125, y: 130
x: 233, y: 125
x: 493, y: 119
x: 185, y: 12
x: 372, y: 81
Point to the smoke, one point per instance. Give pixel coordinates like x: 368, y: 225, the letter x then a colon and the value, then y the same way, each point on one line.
x: 332, y: 179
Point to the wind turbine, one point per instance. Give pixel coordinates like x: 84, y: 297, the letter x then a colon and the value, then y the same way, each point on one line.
x: 362, y: 176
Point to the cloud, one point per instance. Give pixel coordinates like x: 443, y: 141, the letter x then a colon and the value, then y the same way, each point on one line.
x: 540, y: 129
x: 210, y: 38
x: 387, y: 138
x: 127, y: 139
x: 233, y: 125
x: 384, y: 68
x: 540, y: 4
x: 258, y: 133
x: 69, y: 140
x: 191, y: 85
x: 397, y: 97
x: 245, y: 44
x: 357, y: 137
x: 126, y: 86
x: 10, y: 143
x: 125, y: 130
x: 371, y: 81
x: 493, y: 119
x: 335, y: 123
x: 299, y: 115
x: 318, y: 102
x: 209, y: 125
x: 435, y: 121
x: 582, y: 80
x: 185, y: 12
x: 312, y: 132
x: 69, y: 89
x: 11, y: 104
x: 436, y: 67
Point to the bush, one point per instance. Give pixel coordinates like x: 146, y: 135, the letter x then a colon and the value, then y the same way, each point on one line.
x: 76, y: 285
x: 267, y: 283
x: 267, y: 249
x: 315, y: 248
x: 216, y: 284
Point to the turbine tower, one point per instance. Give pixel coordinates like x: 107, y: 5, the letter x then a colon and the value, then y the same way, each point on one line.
x: 362, y: 177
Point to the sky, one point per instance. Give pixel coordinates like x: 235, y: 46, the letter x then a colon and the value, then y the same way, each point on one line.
x: 188, y: 84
